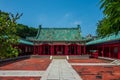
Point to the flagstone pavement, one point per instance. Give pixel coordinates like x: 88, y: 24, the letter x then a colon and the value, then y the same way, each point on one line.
x: 60, y: 69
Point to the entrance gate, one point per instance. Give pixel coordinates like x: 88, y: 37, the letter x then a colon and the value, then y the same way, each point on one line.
x: 59, y: 49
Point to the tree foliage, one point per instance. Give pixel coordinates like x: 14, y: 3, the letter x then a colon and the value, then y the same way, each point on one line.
x: 111, y: 22
x: 7, y: 35
x: 102, y: 28
x: 24, y: 31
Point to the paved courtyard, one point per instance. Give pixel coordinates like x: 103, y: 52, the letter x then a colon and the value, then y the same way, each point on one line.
x: 27, y: 69
x: 59, y: 69
x: 27, y: 64
x: 96, y: 69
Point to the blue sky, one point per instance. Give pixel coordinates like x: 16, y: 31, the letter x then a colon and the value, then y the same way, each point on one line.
x: 56, y: 13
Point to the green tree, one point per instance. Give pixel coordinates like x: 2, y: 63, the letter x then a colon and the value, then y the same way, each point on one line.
x: 102, y: 28
x: 111, y: 22
x: 32, y: 31
x: 7, y: 35
x: 25, y: 31
x: 22, y: 30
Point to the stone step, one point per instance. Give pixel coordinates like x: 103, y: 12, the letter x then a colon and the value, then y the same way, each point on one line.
x: 79, y: 56
x: 59, y: 57
x: 20, y: 73
x: 40, y: 56
x: 117, y: 62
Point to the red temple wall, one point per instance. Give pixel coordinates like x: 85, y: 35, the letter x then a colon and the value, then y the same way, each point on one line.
x: 62, y: 49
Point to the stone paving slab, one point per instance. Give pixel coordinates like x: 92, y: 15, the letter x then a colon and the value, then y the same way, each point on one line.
x: 20, y: 73
x: 93, y: 64
x: 60, y: 69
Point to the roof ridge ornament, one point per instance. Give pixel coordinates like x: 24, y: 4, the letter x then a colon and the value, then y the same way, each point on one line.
x: 40, y: 26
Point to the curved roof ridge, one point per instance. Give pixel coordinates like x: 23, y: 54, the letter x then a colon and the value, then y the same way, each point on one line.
x: 38, y: 33
x: 60, y: 28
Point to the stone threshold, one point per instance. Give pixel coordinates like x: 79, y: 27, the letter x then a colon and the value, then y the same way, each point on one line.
x: 20, y: 73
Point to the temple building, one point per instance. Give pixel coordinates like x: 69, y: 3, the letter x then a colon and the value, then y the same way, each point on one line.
x: 68, y: 41
x: 58, y: 41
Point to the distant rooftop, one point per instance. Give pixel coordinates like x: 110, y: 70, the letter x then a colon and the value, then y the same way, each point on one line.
x: 23, y: 41
x: 112, y: 37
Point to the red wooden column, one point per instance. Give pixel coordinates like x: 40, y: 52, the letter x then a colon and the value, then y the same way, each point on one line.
x: 103, y: 51
x: 52, y: 49
x: 66, y: 49
x: 109, y: 51
x: 79, y: 49
x: 84, y: 49
x: 119, y: 51
x: 74, y: 50
x: 25, y: 49
x: 43, y: 49
x: 112, y: 52
x: 40, y: 49
x: 34, y: 51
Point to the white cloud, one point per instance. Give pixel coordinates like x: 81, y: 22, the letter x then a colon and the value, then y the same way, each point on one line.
x: 67, y: 15
x: 77, y: 22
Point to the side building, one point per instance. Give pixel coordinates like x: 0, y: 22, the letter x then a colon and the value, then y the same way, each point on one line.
x: 25, y: 47
x: 108, y: 46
